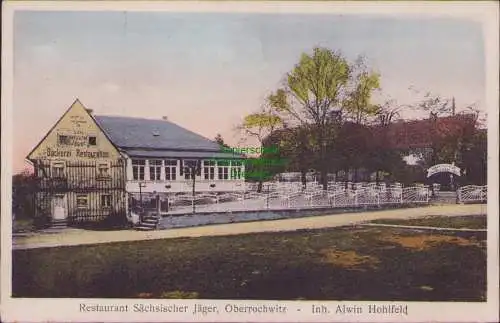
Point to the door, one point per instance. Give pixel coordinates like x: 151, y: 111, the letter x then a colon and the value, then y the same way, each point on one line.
x: 59, y: 207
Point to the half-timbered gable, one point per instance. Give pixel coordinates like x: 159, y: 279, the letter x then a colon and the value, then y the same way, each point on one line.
x: 80, y: 173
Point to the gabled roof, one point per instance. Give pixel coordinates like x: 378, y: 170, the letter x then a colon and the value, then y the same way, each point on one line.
x: 140, y: 133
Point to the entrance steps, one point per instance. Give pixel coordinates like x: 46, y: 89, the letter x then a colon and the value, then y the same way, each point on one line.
x: 59, y: 224
x: 444, y: 197
x: 149, y: 222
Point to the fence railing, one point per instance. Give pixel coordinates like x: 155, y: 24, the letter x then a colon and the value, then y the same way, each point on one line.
x: 472, y: 193
x: 293, y: 197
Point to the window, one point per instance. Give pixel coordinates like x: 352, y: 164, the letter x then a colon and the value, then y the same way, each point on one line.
x: 223, y: 169
x: 138, y: 169
x: 155, y: 170
x: 209, y: 169
x: 105, y: 201
x: 103, y: 170
x: 82, y: 201
x: 236, y: 172
x: 92, y: 140
x: 187, y: 173
x: 58, y: 170
x: 170, y: 170
x: 188, y: 168
x: 63, y: 140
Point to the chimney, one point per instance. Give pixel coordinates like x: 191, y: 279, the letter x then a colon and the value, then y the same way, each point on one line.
x: 165, y: 118
x: 90, y: 111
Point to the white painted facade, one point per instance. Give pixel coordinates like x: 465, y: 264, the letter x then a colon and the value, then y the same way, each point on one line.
x: 162, y: 175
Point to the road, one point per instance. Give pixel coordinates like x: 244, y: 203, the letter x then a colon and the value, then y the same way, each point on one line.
x: 72, y: 237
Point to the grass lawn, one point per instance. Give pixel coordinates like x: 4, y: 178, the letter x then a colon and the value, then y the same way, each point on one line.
x: 470, y: 222
x: 348, y: 263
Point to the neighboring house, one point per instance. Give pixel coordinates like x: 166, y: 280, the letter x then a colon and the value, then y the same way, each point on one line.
x: 91, y: 167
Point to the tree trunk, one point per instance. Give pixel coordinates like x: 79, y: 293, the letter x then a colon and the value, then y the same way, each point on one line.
x: 324, y: 178
x: 377, y: 177
x: 303, y: 178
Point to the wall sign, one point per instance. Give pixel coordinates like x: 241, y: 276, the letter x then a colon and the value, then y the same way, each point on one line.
x: 76, y: 153
x: 443, y: 168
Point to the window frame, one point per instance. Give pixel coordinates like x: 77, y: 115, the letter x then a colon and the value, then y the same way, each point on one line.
x: 53, y: 166
x: 187, y: 170
x: 89, y: 140
x: 223, y: 170
x: 102, y: 199
x: 138, y: 164
x: 209, y: 169
x: 170, y: 169
x: 60, y: 142
x: 108, y: 167
x: 82, y: 196
x: 236, y: 170
x: 153, y: 165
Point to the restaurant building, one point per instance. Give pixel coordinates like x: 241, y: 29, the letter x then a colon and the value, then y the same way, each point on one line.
x: 90, y: 167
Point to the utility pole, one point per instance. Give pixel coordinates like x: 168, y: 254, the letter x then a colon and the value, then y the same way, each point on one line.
x: 141, y: 185
x: 193, y: 177
x: 193, y: 166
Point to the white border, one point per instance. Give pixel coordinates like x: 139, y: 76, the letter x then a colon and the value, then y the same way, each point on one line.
x: 27, y: 310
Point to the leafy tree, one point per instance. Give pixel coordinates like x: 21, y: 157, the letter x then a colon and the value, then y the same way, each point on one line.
x: 261, y: 125
x: 316, y: 92
x: 358, y: 106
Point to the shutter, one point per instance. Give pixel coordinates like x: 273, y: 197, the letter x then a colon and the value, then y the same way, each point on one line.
x: 198, y: 168
x: 181, y: 170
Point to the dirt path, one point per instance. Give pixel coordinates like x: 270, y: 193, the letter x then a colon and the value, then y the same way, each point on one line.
x: 419, y: 227
x: 72, y: 237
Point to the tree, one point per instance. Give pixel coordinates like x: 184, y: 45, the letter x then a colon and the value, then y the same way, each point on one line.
x: 382, y: 156
x: 452, y: 131
x: 23, y: 190
x: 261, y: 125
x: 316, y: 92
x: 364, y: 82
x: 220, y: 140
x: 475, y: 158
x: 294, y: 148
x: 386, y: 113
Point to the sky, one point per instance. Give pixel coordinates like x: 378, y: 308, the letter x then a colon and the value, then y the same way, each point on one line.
x: 206, y: 71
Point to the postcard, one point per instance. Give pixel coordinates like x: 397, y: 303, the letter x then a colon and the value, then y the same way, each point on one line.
x: 249, y: 161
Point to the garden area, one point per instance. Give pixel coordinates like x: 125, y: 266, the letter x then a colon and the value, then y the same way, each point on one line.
x: 344, y: 263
